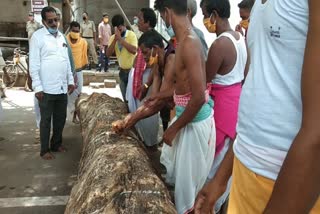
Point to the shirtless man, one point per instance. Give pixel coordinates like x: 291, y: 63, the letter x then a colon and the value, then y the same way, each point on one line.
x: 190, y: 140
x: 160, y: 83
x: 225, y: 68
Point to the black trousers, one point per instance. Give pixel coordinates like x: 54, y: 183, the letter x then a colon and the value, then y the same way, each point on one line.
x: 124, y: 76
x: 55, y: 107
x: 165, y: 117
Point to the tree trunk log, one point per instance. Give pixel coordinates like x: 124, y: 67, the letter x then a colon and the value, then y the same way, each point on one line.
x: 115, y: 175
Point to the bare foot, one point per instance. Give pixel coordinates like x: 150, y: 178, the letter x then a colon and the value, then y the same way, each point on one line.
x: 48, y: 156
x: 61, y: 149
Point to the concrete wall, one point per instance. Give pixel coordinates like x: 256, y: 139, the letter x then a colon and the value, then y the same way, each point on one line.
x: 14, y: 15
x: 95, y: 8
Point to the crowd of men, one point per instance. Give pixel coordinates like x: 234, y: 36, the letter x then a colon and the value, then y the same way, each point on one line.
x: 243, y: 118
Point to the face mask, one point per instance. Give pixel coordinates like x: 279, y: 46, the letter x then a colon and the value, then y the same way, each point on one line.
x: 245, y: 24
x: 74, y: 35
x: 123, y: 33
x: 170, y: 30
x: 105, y: 20
x: 210, y: 27
x: 135, y: 21
x: 153, y: 59
x: 52, y: 30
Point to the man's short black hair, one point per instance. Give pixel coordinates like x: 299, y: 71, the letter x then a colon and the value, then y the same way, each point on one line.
x: 46, y: 10
x: 74, y: 24
x: 221, y: 6
x: 178, y: 6
x: 149, y: 16
x: 150, y: 39
x: 117, y: 20
x: 246, y: 4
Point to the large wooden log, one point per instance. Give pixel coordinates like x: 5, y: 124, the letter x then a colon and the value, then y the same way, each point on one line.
x: 115, y: 174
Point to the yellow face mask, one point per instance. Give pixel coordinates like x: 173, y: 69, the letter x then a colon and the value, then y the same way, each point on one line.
x: 105, y: 20
x: 210, y: 27
x: 153, y: 59
x: 74, y: 35
x: 244, y: 24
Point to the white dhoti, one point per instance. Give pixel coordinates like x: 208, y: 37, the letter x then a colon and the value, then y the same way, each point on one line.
x: 132, y: 105
x: 189, y: 160
x: 147, y: 128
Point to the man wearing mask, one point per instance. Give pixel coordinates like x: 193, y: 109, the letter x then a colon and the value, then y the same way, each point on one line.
x: 225, y: 70
x: 245, y: 7
x: 135, y: 27
x: 52, y: 78
x: 105, y: 33
x: 88, y: 32
x: 32, y: 25
x: 148, y: 127
x: 276, y: 154
x: 192, y: 11
x: 124, y: 42
x: 189, y: 146
x: 79, y: 52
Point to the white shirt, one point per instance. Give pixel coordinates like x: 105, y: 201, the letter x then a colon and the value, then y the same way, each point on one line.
x: 236, y: 75
x: 50, y: 68
x: 270, y: 110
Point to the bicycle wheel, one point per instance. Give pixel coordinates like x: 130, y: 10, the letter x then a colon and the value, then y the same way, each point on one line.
x: 10, y: 75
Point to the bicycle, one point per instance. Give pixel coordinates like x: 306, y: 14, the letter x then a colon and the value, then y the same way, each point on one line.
x: 13, y: 68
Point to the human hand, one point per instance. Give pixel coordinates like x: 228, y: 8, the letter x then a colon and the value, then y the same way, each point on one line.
x: 75, y: 78
x: 169, y: 135
x: 143, y: 92
x: 118, y: 126
x: 204, y: 202
x: 70, y: 89
x: 39, y: 95
x: 117, y: 34
x: 239, y: 29
x: 208, y: 196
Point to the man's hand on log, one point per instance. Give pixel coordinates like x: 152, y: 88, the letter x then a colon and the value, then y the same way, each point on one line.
x: 118, y: 126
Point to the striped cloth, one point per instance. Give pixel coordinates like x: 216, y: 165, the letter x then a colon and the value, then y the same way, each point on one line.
x: 139, y: 68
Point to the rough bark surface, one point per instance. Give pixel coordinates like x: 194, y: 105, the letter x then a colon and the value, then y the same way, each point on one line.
x: 115, y: 175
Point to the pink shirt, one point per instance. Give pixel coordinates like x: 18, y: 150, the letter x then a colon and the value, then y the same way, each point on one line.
x: 104, y: 33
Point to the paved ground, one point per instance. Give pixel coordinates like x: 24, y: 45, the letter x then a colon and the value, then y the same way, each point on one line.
x: 29, y: 184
